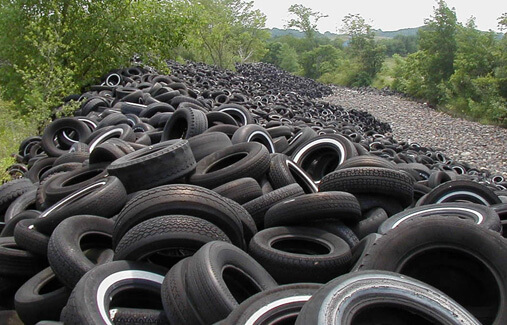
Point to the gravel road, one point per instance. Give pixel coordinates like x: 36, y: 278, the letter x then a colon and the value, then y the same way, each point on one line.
x: 483, y: 146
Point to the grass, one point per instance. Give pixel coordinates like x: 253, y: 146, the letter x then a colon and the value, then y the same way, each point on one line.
x: 13, y: 129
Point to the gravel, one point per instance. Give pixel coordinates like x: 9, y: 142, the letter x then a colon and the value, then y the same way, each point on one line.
x: 482, y: 146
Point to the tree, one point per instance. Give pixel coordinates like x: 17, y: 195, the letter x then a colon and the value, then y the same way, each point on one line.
x: 51, y: 48
x: 305, y: 20
x: 362, y: 46
x: 438, y: 40
x: 229, y: 31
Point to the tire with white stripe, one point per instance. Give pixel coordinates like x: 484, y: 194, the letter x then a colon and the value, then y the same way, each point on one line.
x: 273, y: 306
x: 379, y: 297
x: 98, y: 291
x: 462, y: 190
x: 481, y: 215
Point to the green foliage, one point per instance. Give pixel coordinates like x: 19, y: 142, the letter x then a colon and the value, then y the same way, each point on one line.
x: 305, y: 19
x: 400, y: 44
x: 227, y: 31
x: 289, y: 59
x: 51, y: 48
x: 368, y: 55
x: 13, y: 129
x: 320, y: 60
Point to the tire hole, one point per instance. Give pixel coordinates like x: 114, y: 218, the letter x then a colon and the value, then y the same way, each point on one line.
x: 300, y: 246
x: 239, y: 284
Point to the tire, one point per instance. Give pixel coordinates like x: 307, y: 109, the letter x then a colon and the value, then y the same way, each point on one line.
x: 71, y: 157
x: 481, y: 215
x: 223, y: 128
x: 207, y: 143
x: 166, y: 240
x: 241, y: 190
x: 41, y: 298
x: 65, y: 167
x: 109, y: 151
x: 70, y: 240
x: 311, y: 255
x: 338, y: 228
x: 54, y: 128
x: 370, y: 201
x: 220, y: 276
x: 371, y: 223
x: 299, y: 210
x: 91, y: 299
x: 184, y: 124
x: 305, y: 134
x: 8, y: 230
x: 126, y: 316
x: 16, y: 262
x: 241, y: 160
x: 183, y: 200
x: 370, y: 180
x: 39, y: 168
x: 283, y: 171
x: 155, y: 165
x: 377, y: 297
x: 121, y: 131
x: 275, y: 306
x: 28, y: 237
x: 258, y: 207
x: 366, y: 161
x: 11, y: 190
x: 238, y: 112
x: 323, y: 154
x: 464, y: 260
x: 104, y: 198
x: 454, y: 191
x: 253, y: 133
x: 218, y: 118
x: 67, y: 183
x: 24, y: 202
x: 177, y: 305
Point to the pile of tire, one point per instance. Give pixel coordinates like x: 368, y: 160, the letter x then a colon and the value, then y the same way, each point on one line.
x: 202, y: 197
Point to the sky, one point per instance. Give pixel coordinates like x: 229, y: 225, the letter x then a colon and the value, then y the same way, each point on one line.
x: 387, y: 15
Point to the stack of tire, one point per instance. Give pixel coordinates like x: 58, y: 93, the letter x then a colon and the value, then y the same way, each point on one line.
x: 161, y: 202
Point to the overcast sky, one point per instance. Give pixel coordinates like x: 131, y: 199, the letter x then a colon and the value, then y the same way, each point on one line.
x: 386, y: 14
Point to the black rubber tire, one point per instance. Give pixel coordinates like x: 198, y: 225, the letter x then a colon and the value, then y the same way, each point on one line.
x: 104, y: 198
x: 238, y: 112
x: 155, y: 108
x: 67, y: 183
x: 311, y: 254
x: 184, y: 124
x: 109, y: 151
x: 379, y: 297
x: 366, y: 161
x: 8, y: 230
x: 207, y: 143
x: 70, y: 239
x: 278, y: 305
x: 24, y: 202
x: 65, y: 167
x: 40, y: 194
x: 240, y: 190
x: 370, y: 180
x: 322, y: 154
x: 241, y: 160
x: 460, y: 191
x: 177, y: 305
x: 299, y: 210
x: 223, y: 128
x: 368, y: 201
x: 155, y: 165
x: 283, y: 171
x: 121, y: 131
x: 299, y: 138
x: 132, y: 316
x: 219, y: 118
x: 70, y: 157
x: 50, y: 133
x: 166, y: 240
x: 186, y: 200
x: 113, y: 119
x: 11, y: 190
x: 481, y: 215
x: 253, y: 133
x: 372, y: 221
x: 28, y: 237
x: 91, y: 299
x: 39, y: 168
x: 258, y: 207
x: 16, y: 262
x: 464, y: 260
x: 41, y: 298
x: 220, y: 276
x: 338, y: 228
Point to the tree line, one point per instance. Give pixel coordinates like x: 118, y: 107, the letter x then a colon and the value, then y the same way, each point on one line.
x: 50, y: 49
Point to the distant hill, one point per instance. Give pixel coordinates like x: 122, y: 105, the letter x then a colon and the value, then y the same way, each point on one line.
x: 277, y: 32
